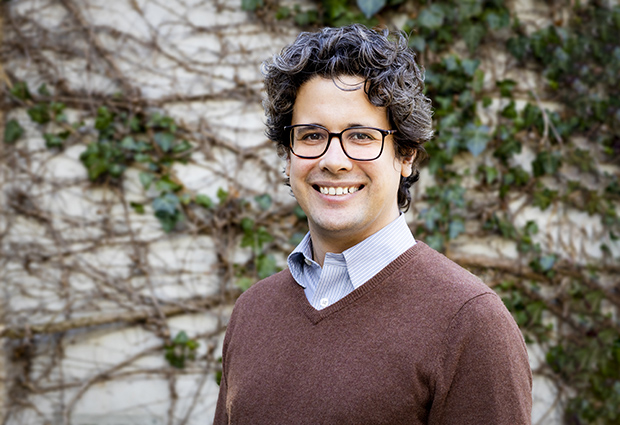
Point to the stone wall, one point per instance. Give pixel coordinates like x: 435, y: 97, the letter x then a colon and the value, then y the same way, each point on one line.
x: 94, y: 291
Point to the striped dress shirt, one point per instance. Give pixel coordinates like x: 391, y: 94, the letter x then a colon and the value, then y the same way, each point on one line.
x: 344, y: 272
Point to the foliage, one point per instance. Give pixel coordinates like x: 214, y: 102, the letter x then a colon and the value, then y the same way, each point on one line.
x: 546, y: 158
x: 180, y: 350
x: 578, y: 61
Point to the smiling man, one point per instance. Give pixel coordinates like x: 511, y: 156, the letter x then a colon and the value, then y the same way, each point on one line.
x: 367, y: 325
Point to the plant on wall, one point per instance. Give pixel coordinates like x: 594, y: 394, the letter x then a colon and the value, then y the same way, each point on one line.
x: 564, y: 305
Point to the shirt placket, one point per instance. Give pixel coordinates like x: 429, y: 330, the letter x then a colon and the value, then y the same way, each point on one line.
x: 330, y: 286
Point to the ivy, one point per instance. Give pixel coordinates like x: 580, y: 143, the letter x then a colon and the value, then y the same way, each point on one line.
x: 12, y: 131
x: 579, y: 60
x: 524, y: 155
x: 180, y: 350
x: 257, y: 237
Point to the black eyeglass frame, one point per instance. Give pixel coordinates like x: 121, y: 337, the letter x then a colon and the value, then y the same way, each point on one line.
x: 331, y: 135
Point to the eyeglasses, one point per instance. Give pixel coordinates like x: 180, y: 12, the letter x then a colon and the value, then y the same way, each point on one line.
x: 358, y: 143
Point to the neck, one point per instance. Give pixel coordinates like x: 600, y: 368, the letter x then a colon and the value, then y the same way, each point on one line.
x: 321, y: 246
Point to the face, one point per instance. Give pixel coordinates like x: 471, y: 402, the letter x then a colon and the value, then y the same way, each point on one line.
x: 344, y: 219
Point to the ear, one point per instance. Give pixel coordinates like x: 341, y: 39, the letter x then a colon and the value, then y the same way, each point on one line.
x: 287, y: 168
x: 406, y: 164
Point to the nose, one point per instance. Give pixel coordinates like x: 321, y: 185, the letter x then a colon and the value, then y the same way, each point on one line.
x: 335, y: 159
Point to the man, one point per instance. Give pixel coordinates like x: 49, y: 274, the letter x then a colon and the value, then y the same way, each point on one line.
x: 368, y: 325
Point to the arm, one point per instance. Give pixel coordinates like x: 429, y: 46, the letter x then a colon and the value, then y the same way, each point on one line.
x: 221, y: 415
x: 484, y: 375
x: 221, y: 411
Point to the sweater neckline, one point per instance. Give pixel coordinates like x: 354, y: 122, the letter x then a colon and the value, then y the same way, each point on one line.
x: 315, y: 316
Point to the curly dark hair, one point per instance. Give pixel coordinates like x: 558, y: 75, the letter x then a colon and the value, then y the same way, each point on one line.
x: 381, y: 58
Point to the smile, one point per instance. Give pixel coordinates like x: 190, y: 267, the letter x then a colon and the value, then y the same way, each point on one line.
x: 337, y: 191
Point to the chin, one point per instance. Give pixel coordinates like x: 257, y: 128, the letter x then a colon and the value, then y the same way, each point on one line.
x: 336, y: 226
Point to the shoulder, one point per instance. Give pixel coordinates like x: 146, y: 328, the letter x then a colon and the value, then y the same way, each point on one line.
x: 438, y: 281
x: 266, y: 295
x: 267, y: 288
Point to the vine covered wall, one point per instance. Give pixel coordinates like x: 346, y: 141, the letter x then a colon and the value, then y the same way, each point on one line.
x: 139, y: 196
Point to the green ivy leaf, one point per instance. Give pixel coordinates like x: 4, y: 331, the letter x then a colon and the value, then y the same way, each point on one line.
x: 181, y: 338
x: 39, y: 113
x: 264, y: 201
x: 20, y: 91
x: 510, y: 111
x: 129, y: 143
x: 146, y: 179
x: 204, y: 201
x: 370, y: 7
x: 164, y: 140
x: 244, y: 283
x: 12, y: 131
x: 476, y: 138
x: 473, y: 34
x: 470, y: 66
x: 335, y: 8
x: 43, y: 91
x: 417, y: 43
x: 435, y: 241
x: 247, y: 225
x: 166, y: 184
x: 306, y: 18
x: 506, y: 87
x: 137, y: 207
x: 507, y: 147
x: 431, y: 217
x: 52, y: 140
x: 432, y: 17
x: 469, y: 8
x: 546, y: 262
x: 299, y: 213
x: 546, y: 163
x: 265, y: 266
x: 182, y: 147
x: 222, y: 195
x: 478, y: 81
x: 543, y: 197
x: 166, y: 204
x: 104, y: 119
x: 283, y: 12
x: 251, y: 5
x: 455, y: 228
x: 490, y: 173
x: 166, y: 211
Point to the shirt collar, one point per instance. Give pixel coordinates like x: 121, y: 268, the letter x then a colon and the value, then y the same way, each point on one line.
x: 374, y: 253
x: 301, y: 256
x: 363, y: 260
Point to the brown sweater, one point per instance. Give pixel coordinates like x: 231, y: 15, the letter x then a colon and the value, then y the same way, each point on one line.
x: 422, y: 342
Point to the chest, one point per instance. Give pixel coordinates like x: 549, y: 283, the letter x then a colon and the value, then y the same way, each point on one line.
x: 357, y: 370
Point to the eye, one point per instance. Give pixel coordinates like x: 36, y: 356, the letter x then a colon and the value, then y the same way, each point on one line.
x: 310, y: 135
x: 362, y: 135
x: 313, y: 136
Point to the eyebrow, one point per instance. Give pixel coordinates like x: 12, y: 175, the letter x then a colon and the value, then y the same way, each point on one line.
x: 349, y: 125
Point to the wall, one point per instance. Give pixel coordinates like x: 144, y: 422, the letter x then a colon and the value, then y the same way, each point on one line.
x: 93, y: 291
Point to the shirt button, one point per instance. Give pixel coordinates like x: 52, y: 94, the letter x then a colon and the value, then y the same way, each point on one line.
x: 308, y: 261
x: 324, y: 302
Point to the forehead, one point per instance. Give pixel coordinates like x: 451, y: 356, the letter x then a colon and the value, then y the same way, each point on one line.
x: 336, y: 103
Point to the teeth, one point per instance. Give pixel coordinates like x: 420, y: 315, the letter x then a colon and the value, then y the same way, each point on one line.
x: 338, y: 190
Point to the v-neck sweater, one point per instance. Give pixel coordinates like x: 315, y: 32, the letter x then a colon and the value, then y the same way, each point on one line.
x: 422, y: 342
